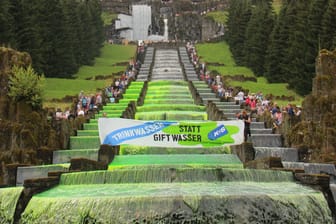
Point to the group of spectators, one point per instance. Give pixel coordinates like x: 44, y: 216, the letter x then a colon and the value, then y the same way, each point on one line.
x: 110, y: 94
x: 257, y: 104
x: 83, y: 105
x: 215, y: 82
x: 118, y: 85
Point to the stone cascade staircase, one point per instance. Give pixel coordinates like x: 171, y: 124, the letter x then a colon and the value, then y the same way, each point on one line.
x: 166, y: 65
x: 146, y: 67
x: 188, y: 67
x: 205, y: 92
x: 315, y: 169
x: 176, y: 188
x: 264, y: 141
x: 85, y: 144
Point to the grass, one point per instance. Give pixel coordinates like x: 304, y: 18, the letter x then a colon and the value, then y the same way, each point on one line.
x: 220, y: 53
x: 59, y: 88
x: 106, y: 64
x: 85, y: 80
x: 232, y: 70
x: 218, y: 16
x: 108, y: 17
x: 215, y: 53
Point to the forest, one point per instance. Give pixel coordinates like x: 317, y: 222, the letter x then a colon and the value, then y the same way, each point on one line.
x: 282, y: 46
x: 60, y: 35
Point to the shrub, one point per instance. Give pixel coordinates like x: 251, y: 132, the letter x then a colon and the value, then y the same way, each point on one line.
x: 26, y: 85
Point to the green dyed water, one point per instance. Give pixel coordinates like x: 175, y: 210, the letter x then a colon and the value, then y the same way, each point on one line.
x: 134, y: 149
x: 218, y: 160
x: 199, y: 202
x: 168, y: 96
x: 84, y: 142
x: 145, y: 174
x: 172, y: 185
x: 172, y: 115
x: 167, y: 107
x: 169, y: 100
x: 8, y: 201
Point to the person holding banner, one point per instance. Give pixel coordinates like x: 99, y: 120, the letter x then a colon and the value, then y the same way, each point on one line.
x: 247, y: 121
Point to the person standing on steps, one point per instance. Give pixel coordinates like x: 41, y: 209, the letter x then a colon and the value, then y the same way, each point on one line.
x: 247, y: 122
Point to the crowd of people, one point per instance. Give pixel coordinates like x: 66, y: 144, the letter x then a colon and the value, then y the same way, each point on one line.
x: 215, y: 82
x: 90, y: 102
x: 254, y: 104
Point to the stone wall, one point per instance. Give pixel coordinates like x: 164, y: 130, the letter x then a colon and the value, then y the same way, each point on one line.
x: 27, y: 136
x: 317, y: 130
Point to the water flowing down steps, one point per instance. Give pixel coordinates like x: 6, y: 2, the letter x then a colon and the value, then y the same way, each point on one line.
x: 85, y: 144
x: 172, y: 185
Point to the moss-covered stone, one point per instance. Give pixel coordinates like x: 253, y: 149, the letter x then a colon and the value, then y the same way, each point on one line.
x: 27, y: 135
x: 317, y: 128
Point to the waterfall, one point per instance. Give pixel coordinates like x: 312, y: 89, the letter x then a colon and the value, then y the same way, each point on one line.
x: 167, y: 175
x: 200, y: 202
x: 165, y: 34
x: 8, y: 201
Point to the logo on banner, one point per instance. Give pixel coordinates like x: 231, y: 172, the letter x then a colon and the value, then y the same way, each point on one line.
x: 119, y: 136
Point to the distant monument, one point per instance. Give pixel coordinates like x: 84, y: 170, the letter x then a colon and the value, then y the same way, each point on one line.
x: 137, y: 25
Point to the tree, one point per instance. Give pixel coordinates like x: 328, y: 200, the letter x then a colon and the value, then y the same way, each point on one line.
x: 257, y: 36
x: 329, y: 27
x: 295, y: 64
x: 312, y: 36
x: 26, y: 85
x: 60, y: 35
x: 6, y: 23
x: 28, y: 33
x: 277, y: 48
x: 239, y: 15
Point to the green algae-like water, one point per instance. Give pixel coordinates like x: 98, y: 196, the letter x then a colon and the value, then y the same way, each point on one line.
x: 170, y: 100
x: 138, y: 149
x: 221, y: 160
x: 182, y: 186
x: 8, y: 201
x: 168, y: 107
x: 223, y: 202
x: 145, y: 174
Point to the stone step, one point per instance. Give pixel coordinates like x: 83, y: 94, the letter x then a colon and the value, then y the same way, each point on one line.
x: 227, y: 107
x: 192, y: 78
x: 261, y: 131
x: 312, y: 168
x: 266, y: 140
x: 286, y: 154
x: 84, y: 142
x: 206, y: 100
x: 231, y: 116
x: 257, y: 125
x: 232, y: 110
x: 88, y: 132
x: 204, y: 90
x: 32, y: 172
x: 65, y: 156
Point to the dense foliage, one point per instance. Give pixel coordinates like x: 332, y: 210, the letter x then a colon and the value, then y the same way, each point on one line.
x: 60, y: 35
x: 26, y: 85
x: 282, y: 47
